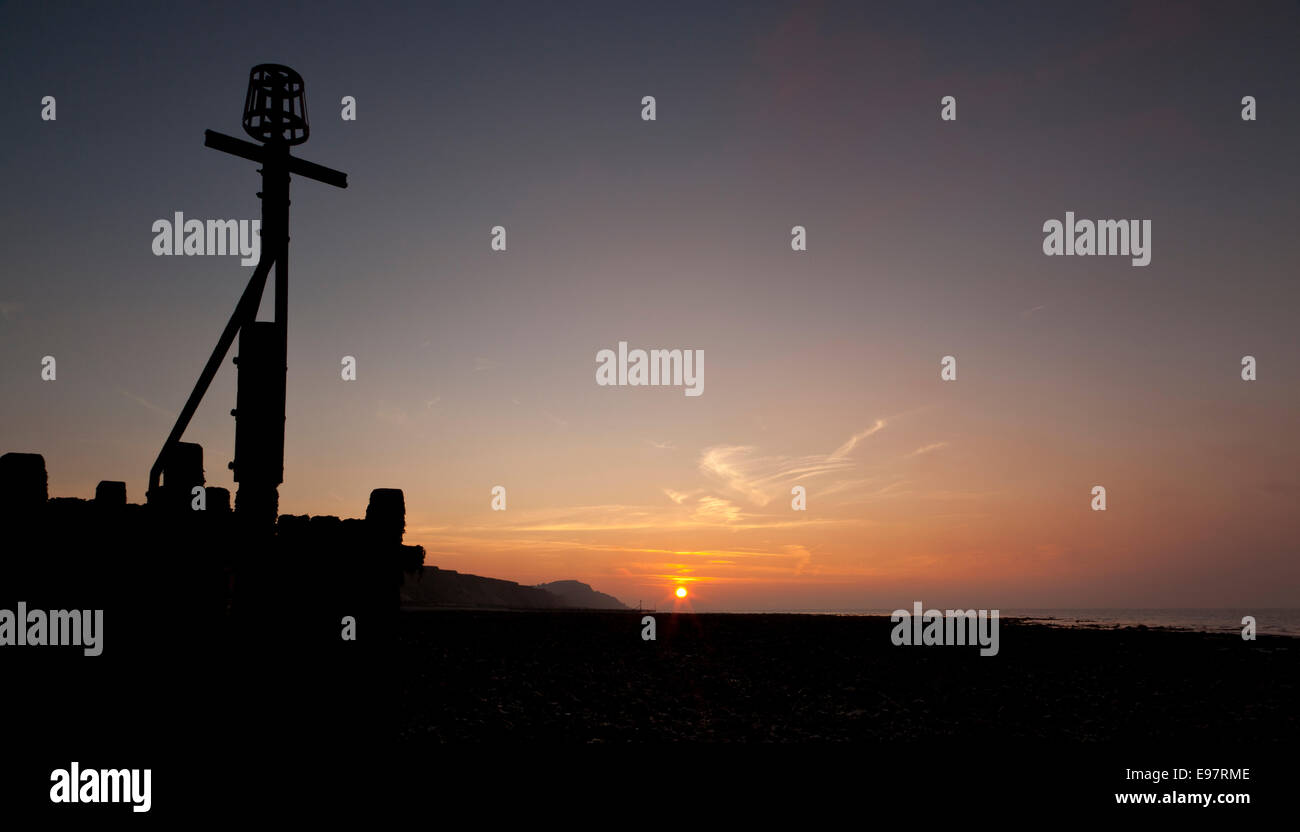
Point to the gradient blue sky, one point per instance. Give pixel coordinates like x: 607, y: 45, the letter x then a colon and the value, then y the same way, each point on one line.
x: 477, y: 368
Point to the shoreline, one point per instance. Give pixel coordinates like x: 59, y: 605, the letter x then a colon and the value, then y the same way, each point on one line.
x: 1062, y: 623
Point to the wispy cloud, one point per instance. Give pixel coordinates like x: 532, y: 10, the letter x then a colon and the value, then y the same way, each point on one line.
x: 145, y: 402
x: 716, y: 510
x: 843, y: 450
x: 925, y: 449
x: 679, y: 497
x: 761, y: 479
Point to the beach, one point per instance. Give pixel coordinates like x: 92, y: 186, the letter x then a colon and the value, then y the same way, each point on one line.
x: 582, y: 677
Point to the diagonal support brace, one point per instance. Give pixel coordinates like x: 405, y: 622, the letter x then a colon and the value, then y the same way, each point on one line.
x: 245, y: 311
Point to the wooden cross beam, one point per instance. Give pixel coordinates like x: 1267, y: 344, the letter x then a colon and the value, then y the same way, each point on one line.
x: 259, y: 153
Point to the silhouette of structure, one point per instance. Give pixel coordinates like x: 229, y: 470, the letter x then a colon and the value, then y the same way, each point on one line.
x: 275, y: 113
x: 110, y: 493
x: 240, y: 610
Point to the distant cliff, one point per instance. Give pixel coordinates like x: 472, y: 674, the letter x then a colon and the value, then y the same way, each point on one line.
x: 577, y: 594
x: 449, y: 588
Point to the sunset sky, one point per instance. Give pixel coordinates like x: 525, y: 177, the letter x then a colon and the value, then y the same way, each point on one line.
x: 477, y: 368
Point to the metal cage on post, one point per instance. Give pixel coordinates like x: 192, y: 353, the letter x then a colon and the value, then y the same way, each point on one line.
x: 275, y: 108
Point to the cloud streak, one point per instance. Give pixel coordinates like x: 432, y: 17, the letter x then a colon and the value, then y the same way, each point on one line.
x: 925, y: 449
x: 761, y: 479
x: 847, y: 447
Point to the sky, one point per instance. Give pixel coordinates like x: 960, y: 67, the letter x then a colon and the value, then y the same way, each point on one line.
x: 476, y: 368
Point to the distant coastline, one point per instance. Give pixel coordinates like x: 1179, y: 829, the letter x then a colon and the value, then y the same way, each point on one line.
x: 1276, y: 621
x: 449, y: 589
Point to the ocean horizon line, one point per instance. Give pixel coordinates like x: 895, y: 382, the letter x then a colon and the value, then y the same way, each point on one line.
x: 1283, y: 621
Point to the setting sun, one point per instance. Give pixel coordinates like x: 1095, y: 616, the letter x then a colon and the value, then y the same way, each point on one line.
x: 681, y: 592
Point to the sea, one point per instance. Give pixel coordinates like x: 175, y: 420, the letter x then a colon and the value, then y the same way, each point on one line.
x: 1279, y: 622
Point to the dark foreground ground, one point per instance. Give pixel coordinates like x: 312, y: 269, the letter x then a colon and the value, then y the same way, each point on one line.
x: 582, y: 677
x: 288, y: 717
